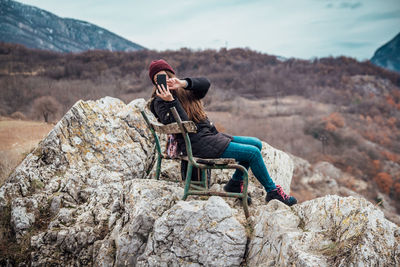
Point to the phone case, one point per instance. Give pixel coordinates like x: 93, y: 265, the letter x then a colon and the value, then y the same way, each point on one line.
x: 162, y: 79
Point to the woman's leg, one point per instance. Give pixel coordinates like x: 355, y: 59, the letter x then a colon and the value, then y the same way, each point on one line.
x: 252, y: 155
x: 247, y: 140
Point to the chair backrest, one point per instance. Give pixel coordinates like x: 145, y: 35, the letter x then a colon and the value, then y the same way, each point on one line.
x: 179, y: 127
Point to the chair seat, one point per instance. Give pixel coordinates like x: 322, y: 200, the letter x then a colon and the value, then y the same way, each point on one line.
x: 219, y: 161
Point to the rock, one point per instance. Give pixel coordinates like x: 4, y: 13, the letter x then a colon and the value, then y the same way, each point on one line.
x: 327, y: 231
x: 196, y: 233
x: 322, y: 178
x: 75, y: 189
x: 100, y: 232
x: 84, y: 197
x: 22, y: 215
x: 280, y: 166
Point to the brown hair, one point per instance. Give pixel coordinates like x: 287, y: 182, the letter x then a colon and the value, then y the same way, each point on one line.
x: 193, y: 106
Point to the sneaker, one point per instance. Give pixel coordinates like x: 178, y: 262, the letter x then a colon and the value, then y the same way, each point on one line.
x: 281, y: 196
x: 236, y: 187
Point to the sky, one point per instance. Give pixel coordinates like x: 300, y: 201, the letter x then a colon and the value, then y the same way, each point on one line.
x: 289, y: 28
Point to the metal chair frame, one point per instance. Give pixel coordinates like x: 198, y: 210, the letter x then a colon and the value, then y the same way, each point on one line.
x: 195, y: 187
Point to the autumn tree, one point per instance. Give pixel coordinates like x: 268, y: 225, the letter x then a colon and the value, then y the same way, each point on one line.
x: 45, y: 106
x: 384, y: 182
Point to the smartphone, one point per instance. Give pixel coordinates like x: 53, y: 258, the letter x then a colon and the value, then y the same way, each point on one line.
x: 162, y: 79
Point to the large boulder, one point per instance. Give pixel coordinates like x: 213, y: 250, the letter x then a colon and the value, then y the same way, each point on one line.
x: 327, y: 231
x: 84, y: 197
x: 80, y: 187
x: 196, y: 233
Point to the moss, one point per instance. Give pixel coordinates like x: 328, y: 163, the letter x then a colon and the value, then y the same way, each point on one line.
x: 339, y: 250
x: 12, y: 252
x: 37, y: 184
x: 331, y: 250
x: 249, y: 230
x: 302, y: 224
x: 44, y: 218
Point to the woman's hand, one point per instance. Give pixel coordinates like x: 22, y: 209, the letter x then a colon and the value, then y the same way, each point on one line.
x: 164, y: 93
x: 175, y: 83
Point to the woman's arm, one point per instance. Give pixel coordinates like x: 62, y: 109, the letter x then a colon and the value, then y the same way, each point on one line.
x: 198, y: 86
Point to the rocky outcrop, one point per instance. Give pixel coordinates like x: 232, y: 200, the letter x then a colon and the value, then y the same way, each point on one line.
x: 328, y: 231
x: 78, y: 191
x: 196, y: 233
x: 83, y: 197
x: 322, y: 178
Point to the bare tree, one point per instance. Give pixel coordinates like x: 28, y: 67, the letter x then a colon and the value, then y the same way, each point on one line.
x: 45, y: 106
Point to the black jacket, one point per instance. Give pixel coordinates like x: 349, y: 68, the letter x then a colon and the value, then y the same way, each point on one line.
x: 207, y: 142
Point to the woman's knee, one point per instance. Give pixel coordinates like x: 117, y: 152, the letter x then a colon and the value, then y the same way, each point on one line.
x: 254, y: 153
x: 257, y: 143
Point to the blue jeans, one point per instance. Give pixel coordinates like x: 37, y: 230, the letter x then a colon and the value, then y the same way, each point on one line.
x: 247, y: 151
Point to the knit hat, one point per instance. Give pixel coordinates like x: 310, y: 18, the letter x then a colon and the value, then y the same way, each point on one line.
x: 158, y: 65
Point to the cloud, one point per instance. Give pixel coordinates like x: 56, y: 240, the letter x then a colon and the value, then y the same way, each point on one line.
x: 380, y: 16
x: 350, y: 5
x: 344, y: 5
x: 353, y: 45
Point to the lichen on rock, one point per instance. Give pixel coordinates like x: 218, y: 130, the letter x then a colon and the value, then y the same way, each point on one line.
x: 327, y: 231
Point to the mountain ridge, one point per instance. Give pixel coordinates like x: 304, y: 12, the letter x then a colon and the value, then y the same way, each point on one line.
x: 40, y: 29
x: 388, y: 56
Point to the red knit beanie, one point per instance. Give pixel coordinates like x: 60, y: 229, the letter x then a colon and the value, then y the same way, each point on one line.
x: 158, y: 65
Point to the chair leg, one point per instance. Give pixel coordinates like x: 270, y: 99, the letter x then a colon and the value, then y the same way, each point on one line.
x: 244, y: 198
x: 158, y: 168
x: 188, y: 180
x: 204, y: 178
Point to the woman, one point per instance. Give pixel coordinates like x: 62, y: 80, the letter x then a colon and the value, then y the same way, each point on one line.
x: 185, y: 95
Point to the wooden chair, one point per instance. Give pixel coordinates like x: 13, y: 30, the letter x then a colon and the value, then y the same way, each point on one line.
x: 195, y: 187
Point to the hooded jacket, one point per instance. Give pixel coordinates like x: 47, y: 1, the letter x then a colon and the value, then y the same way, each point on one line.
x: 207, y: 142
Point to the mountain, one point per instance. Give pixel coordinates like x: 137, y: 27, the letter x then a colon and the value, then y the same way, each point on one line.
x: 388, y: 55
x: 37, y: 28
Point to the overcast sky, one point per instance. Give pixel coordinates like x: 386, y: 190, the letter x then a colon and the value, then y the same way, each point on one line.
x: 288, y: 28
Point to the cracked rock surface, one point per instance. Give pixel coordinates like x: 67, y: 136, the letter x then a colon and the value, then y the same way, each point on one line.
x: 327, y: 231
x: 196, y: 233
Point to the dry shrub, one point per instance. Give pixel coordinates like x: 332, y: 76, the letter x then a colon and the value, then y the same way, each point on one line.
x: 377, y: 164
x: 3, y: 112
x: 7, y: 165
x: 18, y: 115
x: 46, y: 106
x: 390, y: 156
x: 392, y: 122
x: 330, y: 127
x: 335, y: 119
x: 397, y: 189
x: 384, y: 182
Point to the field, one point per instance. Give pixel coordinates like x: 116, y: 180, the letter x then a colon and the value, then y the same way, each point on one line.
x: 17, y: 139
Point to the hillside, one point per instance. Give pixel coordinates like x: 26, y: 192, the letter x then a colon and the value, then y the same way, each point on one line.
x: 37, y: 28
x: 337, y: 110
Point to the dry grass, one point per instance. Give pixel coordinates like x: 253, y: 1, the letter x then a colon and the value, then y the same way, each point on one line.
x: 17, y: 139
x: 280, y: 125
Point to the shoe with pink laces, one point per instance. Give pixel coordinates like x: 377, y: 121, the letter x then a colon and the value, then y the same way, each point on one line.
x: 281, y: 196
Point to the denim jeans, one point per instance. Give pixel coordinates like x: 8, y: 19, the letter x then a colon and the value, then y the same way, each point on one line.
x: 247, y: 151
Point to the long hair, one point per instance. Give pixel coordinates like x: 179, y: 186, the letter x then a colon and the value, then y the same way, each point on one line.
x: 194, y: 107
